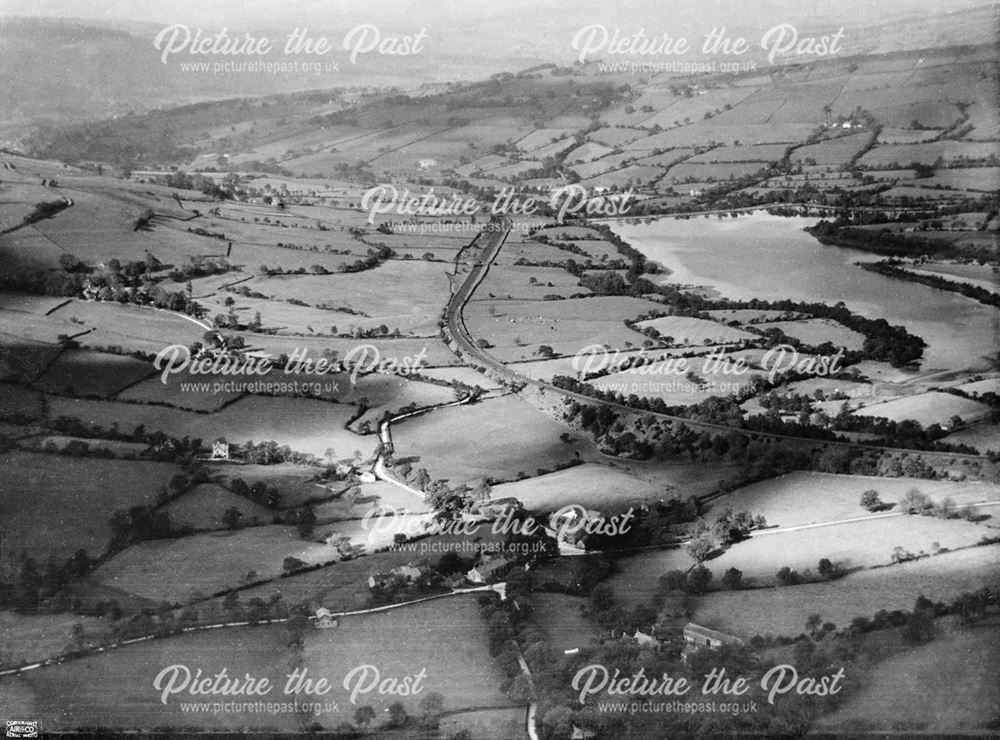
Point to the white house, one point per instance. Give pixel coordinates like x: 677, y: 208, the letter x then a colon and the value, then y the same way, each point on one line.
x: 487, y: 570
x: 220, y: 449
x: 324, y: 619
x: 697, y: 637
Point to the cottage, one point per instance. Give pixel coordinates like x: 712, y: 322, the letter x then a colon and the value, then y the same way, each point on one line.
x: 646, y: 641
x: 697, y: 637
x: 488, y: 570
x: 324, y: 619
x: 367, y: 477
x: 408, y: 573
x: 220, y: 449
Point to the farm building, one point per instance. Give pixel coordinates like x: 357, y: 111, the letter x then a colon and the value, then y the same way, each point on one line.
x: 697, y: 637
x: 324, y: 619
x: 488, y: 570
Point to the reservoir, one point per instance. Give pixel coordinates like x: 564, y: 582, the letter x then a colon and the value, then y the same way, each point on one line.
x: 772, y: 258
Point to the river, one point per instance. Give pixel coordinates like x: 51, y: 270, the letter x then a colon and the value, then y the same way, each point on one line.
x: 771, y: 257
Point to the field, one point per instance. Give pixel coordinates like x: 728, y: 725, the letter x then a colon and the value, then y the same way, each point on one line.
x: 928, y: 408
x: 74, y: 373
x: 800, y: 499
x: 589, y: 485
x: 860, y: 544
x: 949, y: 686
x: 402, y: 294
x: 26, y: 637
x: 688, y: 331
x: 115, y: 689
x: 177, y: 569
x: 71, y: 500
x: 446, y: 638
x: 558, y: 615
x: 783, y: 610
x: 203, y: 507
x: 487, y: 724
x: 499, y: 438
x: 815, y: 332
x: 518, y: 328
x: 303, y: 424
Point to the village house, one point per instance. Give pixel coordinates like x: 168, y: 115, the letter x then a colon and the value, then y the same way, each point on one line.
x: 409, y: 573
x: 220, y: 449
x: 488, y: 569
x: 646, y: 642
x: 697, y: 638
x: 324, y: 619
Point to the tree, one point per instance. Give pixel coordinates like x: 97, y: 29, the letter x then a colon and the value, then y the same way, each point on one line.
x: 397, y: 714
x: 914, y: 502
x: 431, y: 704
x: 870, y: 500
x: 292, y: 564
x: 232, y: 516
x: 827, y: 569
x: 701, y: 546
x: 363, y: 715
x: 813, y: 621
x: 733, y: 578
x: 673, y: 580
x: 698, y: 579
x: 788, y: 577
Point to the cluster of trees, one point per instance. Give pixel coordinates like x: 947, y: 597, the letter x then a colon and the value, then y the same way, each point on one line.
x: 271, y: 453
x: 728, y: 528
x: 27, y: 586
x: 258, y: 492
x: 842, y: 233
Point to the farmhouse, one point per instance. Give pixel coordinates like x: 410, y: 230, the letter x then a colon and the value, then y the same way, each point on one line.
x: 697, y: 638
x: 324, y: 619
x: 220, y: 449
x: 408, y: 573
x: 488, y: 569
x: 646, y: 641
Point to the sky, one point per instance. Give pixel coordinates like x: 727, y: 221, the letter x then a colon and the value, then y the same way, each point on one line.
x: 463, y: 12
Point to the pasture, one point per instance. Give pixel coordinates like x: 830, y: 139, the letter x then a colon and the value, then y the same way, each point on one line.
x: 948, y: 686
x: 71, y: 500
x: 500, y: 438
x: 446, y: 638
x: 783, y: 610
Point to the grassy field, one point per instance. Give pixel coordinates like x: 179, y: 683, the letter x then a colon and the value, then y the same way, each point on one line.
x: 115, y: 689
x: 590, y: 485
x: 92, y: 374
x: 445, y: 638
x: 498, y: 438
x: 689, y: 331
x: 490, y: 724
x: 783, y: 610
x: 303, y: 424
x: 176, y: 569
x: 559, y: 617
x: 928, y: 408
x: 404, y: 295
x: 818, y: 331
x: 807, y: 498
x: 203, y: 507
x: 26, y: 637
x: 948, y: 686
x: 518, y: 328
x: 858, y: 544
x: 71, y: 499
